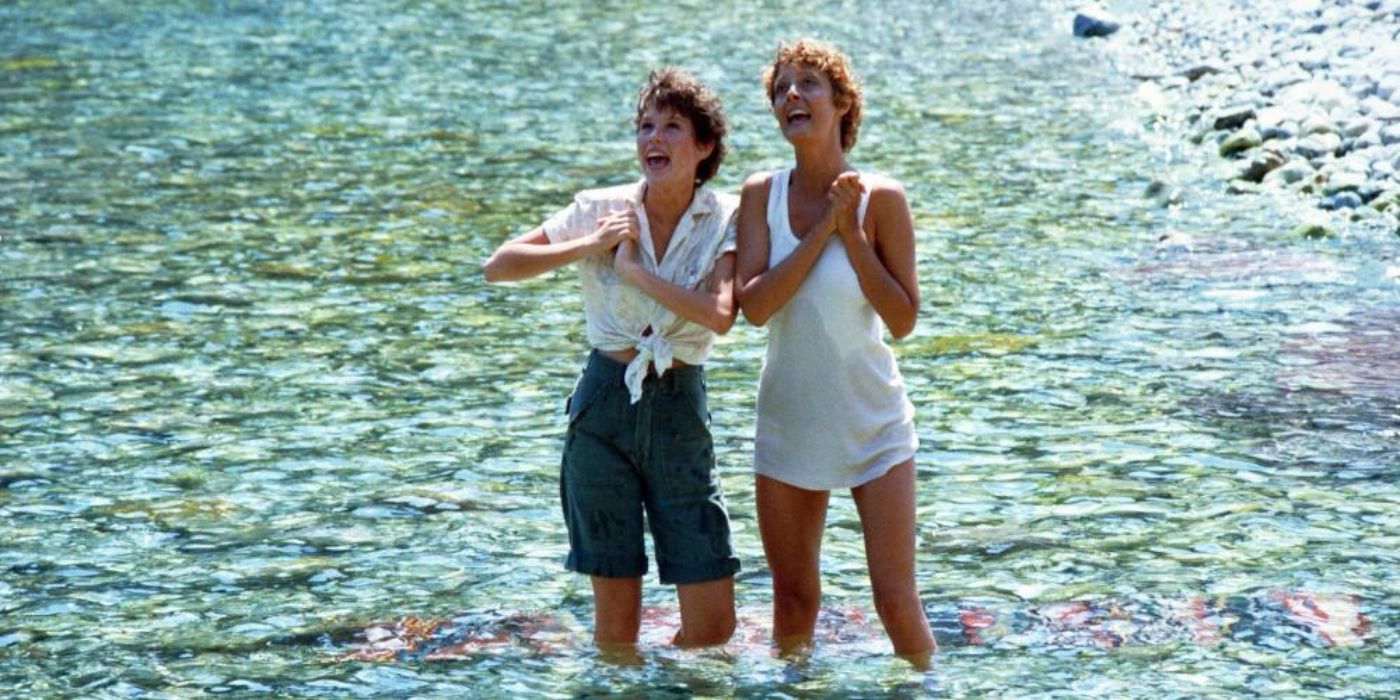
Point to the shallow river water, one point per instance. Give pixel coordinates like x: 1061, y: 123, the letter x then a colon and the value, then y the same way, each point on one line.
x: 264, y: 431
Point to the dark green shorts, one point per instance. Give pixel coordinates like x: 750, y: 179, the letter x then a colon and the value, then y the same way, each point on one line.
x: 656, y: 455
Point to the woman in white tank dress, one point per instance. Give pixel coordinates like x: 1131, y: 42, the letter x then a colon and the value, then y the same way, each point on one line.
x: 824, y: 255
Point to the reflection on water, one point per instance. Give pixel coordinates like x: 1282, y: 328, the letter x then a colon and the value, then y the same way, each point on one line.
x: 255, y: 400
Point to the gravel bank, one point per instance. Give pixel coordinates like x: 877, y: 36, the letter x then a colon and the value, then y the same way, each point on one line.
x: 1301, y: 95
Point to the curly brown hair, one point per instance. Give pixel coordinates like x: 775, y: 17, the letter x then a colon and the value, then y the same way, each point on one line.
x: 676, y: 90
x: 836, y: 66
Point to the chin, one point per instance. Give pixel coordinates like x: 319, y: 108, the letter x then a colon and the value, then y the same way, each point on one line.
x: 796, y: 136
x: 665, y: 177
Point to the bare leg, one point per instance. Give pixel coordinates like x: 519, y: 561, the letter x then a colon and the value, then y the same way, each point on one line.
x: 617, y: 615
x: 886, y: 507
x: 790, y: 521
x: 707, y: 613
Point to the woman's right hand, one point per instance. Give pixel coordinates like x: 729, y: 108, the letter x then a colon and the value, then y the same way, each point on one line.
x: 617, y: 227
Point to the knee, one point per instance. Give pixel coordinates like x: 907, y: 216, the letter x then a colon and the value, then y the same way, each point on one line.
x: 801, y: 600
x: 895, y: 598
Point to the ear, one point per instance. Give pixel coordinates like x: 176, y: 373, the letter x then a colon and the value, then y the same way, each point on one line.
x: 706, y: 149
x: 843, y: 106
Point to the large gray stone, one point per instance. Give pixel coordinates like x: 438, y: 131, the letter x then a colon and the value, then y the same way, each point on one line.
x: 1201, y: 70
x: 1094, y: 23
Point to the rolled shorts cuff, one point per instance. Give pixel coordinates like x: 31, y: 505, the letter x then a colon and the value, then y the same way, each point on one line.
x: 672, y: 574
x: 607, y: 567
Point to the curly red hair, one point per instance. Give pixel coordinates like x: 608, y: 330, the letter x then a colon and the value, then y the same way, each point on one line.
x: 836, y: 66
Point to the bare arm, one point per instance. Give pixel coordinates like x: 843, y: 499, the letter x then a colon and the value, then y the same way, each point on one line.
x: 763, y: 290
x: 711, y: 307
x: 532, y: 254
x: 883, y: 259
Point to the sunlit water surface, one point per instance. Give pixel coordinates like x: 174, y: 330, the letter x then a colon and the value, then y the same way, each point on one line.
x: 255, y: 398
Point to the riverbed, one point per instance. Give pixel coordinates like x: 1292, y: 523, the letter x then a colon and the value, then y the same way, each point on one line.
x: 256, y: 401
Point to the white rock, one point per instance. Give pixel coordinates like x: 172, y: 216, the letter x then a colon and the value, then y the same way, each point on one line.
x: 1353, y: 127
x: 1325, y: 94
x: 1293, y: 171
x: 1377, y: 108
x: 1318, y: 145
x: 1317, y: 125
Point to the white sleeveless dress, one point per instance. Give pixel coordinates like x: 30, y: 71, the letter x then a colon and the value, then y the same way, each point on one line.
x: 832, y: 409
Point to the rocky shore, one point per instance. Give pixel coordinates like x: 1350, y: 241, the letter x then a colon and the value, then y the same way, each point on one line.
x: 1301, y: 95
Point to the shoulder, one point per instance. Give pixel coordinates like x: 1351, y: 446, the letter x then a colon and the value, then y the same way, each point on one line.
x: 756, y: 185
x: 882, y: 187
x: 606, y: 195
x: 722, y: 202
x: 886, y: 194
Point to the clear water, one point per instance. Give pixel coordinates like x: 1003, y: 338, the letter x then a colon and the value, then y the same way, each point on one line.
x: 255, y: 399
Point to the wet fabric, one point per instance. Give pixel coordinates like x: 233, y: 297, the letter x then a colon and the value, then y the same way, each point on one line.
x: 627, y: 465
x: 832, y: 409
x: 619, y: 315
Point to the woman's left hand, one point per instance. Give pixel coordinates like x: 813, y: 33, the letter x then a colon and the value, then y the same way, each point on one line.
x: 845, y: 196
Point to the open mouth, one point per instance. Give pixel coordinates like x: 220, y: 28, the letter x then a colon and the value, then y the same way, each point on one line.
x: 656, y: 161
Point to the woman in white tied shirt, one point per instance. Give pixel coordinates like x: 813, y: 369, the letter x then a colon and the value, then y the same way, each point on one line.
x: 656, y: 265
x: 825, y: 253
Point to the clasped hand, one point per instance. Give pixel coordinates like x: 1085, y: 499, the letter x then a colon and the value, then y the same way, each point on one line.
x: 619, y: 231
x: 842, y: 204
x: 617, y: 227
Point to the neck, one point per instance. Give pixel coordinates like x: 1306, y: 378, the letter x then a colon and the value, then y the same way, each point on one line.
x: 667, y: 202
x: 818, y: 166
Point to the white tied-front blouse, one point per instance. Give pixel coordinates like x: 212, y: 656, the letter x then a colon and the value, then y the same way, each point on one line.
x: 618, y: 314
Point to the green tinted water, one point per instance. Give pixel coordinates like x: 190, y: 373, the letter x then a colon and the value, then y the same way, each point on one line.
x: 255, y: 398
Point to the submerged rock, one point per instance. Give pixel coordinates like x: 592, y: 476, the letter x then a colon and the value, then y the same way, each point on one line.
x: 1341, y: 200
x: 1313, y: 230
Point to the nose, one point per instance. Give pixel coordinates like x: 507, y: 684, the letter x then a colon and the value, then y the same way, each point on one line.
x: 791, y: 94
